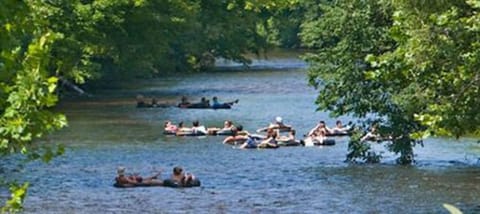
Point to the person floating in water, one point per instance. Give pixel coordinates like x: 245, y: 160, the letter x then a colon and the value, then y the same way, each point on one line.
x: 182, y: 178
x: 277, y: 125
x: 134, y: 180
x: 204, y: 103
x: 184, y: 103
x: 341, y: 129
x: 216, y: 104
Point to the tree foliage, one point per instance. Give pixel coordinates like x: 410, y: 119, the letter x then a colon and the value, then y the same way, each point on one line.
x: 45, y: 45
x: 412, y: 63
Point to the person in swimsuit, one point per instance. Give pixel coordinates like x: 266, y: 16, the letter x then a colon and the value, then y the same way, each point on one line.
x: 169, y: 127
x: 180, y: 177
x: 216, y: 104
x: 184, y: 102
x: 270, y: 141
x: 278, y: 125
x: 132, y: 180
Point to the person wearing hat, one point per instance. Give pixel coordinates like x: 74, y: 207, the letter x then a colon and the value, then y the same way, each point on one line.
x: 277, y: 125
x: 133, y: 180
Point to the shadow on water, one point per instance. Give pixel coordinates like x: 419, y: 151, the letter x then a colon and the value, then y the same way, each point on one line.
x: 108, y: 131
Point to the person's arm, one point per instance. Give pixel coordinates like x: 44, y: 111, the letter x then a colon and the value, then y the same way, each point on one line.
x: 367, y: 137
x: 311, y: 132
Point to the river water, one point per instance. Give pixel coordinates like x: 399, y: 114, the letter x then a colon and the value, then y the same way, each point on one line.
x: 106, y: 131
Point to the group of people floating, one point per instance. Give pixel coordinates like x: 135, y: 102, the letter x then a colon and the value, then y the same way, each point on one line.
x: 275, y: 134
x: 274, y: 138
x: 204, y: 103
x: 178, y: 179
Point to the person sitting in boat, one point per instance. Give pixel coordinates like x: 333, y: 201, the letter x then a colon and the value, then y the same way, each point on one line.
x: 340, y: 128
x: 216, y: 104
x: 133, y: 180
x: 198, y: 129
x: 277, y: 125
x: 204, y: 103
x: 180, y: 177
x: 270, y: 141
x: 184, y: 102
x: 170, y: 128
x: 321, y: 126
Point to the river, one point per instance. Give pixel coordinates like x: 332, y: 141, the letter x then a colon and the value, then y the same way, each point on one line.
x: 106, y: 131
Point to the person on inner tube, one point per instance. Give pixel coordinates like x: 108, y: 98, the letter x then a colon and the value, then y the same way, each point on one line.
x: 217, y: 104
x: 318, y: 128
x: 198, y: 129
x: 270, y: 141
x: 180, y: 177
x: 290, y: 138
x: 169, y: 127
x: 278, y: 125
x: 123, y: 179
x: 184, y: 102
x: 340, y: 128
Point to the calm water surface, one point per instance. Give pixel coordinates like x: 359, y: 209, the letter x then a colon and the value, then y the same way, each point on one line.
x: 107, y: 131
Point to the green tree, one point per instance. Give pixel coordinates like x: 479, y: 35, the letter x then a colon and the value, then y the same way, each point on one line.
x: 411, y: 63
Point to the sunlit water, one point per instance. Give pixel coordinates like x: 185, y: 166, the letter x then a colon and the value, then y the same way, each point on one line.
x: 106, y: 131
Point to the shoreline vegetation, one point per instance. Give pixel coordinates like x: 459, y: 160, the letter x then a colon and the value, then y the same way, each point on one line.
x: 412, y: 63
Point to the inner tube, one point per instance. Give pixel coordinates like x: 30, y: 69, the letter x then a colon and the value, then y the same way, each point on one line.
x: 169, y: 133
x: 170, y: 183
x: 117, y: 185
x: 205, y: 107
x: 325, y: 142
x: 338, y: 134
x: 224, y: 132
x: 190, y: 134
x: 290, y: 143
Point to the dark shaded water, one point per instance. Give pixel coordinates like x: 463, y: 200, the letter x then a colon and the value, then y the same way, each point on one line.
x: 107, y: 131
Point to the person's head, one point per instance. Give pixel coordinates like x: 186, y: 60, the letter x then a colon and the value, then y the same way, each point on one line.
x: 321, y: 123
x: 214, y: 98
x: 180, y: 125
x: 177, y: 170
x: 292, y: 132
x: 239, y: 128
x: 121, y: 171
x: 339, y: 123
x: 227, y: 123
x: 203, y: 99
x: 278, y: 119
x: 195, y: 123
x: 184, y: 98
x: 167, y: 123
